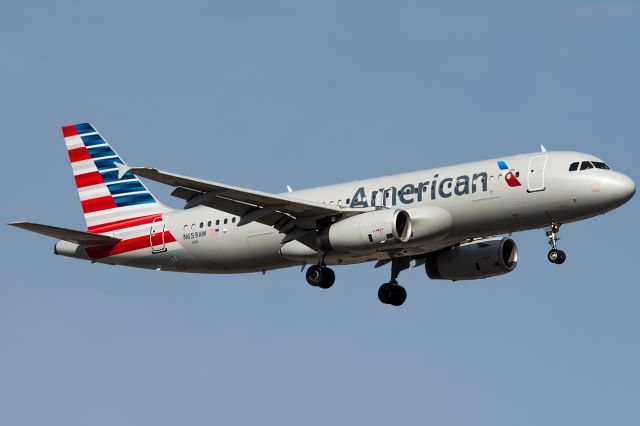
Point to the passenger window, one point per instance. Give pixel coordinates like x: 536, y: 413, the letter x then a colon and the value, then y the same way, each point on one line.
x: 574, y: 166
x: 217, y: 221
x: 233, y: 220
x: 186, y: 227
x: 225, y: 221
x: 348, y: 200
x: 600, y: 165
x: 209, y: 223
x: 586, y: 165
x: 201, y: 224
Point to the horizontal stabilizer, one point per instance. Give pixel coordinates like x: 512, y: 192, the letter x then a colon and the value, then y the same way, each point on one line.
x: 71, y: 235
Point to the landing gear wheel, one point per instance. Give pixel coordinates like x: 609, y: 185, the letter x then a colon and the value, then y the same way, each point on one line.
x: 557, y: 256
x: 328, y: 278
x: 392, y: 294
x: 399, y: 295
x: 320, y: 276
x: 314, y: 275
x: 385, y: 293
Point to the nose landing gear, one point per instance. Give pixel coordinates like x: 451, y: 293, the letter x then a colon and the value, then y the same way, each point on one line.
x: 555, y: 255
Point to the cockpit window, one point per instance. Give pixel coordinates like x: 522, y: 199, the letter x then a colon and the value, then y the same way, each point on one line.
x: 600, y: 165
x: 586, y: 165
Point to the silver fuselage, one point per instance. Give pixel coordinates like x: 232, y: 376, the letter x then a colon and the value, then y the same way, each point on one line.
x: 476, y: 195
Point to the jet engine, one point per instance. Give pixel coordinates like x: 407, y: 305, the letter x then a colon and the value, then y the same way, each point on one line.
x: 478, y: 259
x: 366, y: 231
x: 429, y: 223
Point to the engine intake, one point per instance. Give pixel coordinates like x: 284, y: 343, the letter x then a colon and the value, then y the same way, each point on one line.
x: 479, y: 259
x: 367, y: 230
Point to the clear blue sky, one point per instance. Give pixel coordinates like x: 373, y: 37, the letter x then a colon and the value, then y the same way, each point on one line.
x: 264, y: 94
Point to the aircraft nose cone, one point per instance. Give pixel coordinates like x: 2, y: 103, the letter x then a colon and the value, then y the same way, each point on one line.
x: 625, y: 188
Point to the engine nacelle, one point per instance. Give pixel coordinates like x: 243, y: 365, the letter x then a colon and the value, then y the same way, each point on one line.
x: 366, y: 231
x: 479, y: 259
x: 429, y: 223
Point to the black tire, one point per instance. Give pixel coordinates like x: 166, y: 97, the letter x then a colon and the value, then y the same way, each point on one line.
x: 399, y: 295
x: 385, y: 293
x: 314, y: 275
x: 562, y: 256
x: 328, y: 278
x: 553, y: 256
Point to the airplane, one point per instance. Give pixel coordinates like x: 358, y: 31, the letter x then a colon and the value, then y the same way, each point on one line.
x: 447, y: 219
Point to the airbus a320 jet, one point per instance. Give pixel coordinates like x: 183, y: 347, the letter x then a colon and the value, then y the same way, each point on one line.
x: 446, y: 218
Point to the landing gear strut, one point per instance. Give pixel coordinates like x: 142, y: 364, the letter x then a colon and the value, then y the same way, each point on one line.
x: 555, y: 255
x: 319, y: 275
x: 392, y: 293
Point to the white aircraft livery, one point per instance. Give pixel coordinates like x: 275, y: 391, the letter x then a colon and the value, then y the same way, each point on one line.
x: 446, y: 219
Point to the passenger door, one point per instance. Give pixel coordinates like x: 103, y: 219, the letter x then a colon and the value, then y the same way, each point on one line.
x: 535, y: 174
x: 156, y: 235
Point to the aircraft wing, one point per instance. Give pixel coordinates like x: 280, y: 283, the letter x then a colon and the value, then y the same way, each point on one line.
x: 71, y: 235
x: 287, y: 214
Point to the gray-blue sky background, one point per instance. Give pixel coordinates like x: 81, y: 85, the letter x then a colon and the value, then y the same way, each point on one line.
x: 265, y: 94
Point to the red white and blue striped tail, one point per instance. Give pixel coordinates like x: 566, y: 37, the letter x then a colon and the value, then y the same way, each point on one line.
x: 109, y: 202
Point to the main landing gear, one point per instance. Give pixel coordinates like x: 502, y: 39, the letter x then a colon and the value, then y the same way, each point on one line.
x: 320, y: 276
x: 555, y: 255
x: 392, y: 293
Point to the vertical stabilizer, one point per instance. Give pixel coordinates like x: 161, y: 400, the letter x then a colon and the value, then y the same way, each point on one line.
x: 109, y: 202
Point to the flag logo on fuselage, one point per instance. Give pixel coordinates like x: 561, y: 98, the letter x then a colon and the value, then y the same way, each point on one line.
x: 509, y: 176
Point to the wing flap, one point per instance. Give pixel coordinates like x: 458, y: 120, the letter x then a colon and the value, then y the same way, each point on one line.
x: 229, y: 206
x: 71, y: 235
x: 247, y: 212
